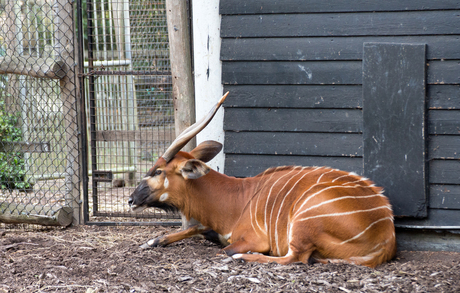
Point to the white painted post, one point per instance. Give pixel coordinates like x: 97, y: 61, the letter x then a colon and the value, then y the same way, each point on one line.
x: 208, y: 72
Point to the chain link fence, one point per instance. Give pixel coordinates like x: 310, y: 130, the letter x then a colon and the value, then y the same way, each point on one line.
x: 126, y: 90
x: 39, y: 142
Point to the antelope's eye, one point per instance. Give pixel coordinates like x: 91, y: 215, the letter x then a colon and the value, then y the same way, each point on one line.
x: 157, y: 172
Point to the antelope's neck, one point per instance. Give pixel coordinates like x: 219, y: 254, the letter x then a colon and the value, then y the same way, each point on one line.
x: 217, y: 200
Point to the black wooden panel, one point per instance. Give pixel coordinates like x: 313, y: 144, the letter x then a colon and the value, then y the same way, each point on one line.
x: 250, y: 165
x: 293, y: 143
x: 342, y: 24
x: 321, y: 73
x: 328, y: 48
x: 445, y: 197
x: 436, y: 218
x: 445, y: 172
x: 444, y: 147
x: 310, y: 72
x: 444, y: 122
x: 439, y: 97
x: 305, y: 120
x: 302, y: 6
x: 393, y: 121
x: 294, y: 96
x: 443, y: 96
x: 444, y: 72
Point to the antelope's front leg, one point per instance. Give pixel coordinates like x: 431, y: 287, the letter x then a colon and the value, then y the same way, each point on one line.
x: 170, y: 238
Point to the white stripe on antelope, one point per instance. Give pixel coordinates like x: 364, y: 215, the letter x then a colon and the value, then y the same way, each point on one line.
x: 288, y: 214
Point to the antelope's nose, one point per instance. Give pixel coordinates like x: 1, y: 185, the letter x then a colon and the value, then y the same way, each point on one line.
x: 130, y: 201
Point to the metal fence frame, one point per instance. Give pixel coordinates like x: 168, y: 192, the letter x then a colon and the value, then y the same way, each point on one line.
x: 106, y: 32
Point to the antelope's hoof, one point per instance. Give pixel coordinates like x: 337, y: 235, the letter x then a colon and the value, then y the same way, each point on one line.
x: 150, y: 244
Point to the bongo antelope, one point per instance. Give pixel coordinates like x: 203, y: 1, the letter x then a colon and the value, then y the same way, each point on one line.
x: 286, y: 214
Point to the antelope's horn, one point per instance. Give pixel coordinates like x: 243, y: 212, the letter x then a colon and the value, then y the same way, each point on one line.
x: 191, y: 131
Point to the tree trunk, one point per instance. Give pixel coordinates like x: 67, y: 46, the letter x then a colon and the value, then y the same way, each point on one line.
x: 32, y: 66
x: 181, y: 70
x: 27, y: 214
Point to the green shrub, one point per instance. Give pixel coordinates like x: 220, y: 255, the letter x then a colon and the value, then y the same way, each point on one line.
x: 12, y: 167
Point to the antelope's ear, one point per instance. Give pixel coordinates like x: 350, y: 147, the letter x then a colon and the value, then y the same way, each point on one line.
x: 206, y: 150
x: 194, y: 169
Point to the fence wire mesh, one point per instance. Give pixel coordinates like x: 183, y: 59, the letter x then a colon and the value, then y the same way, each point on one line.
x: 130, y: 107
x: 39, y: 146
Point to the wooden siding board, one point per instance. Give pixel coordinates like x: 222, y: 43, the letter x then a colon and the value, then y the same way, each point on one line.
x: 251, y: 165
x: 443, y: 97
x: 445, y: 196
x: 302, y: 6
x: 294, y: 96
x: 436, y: 217
x: 445, y: 22
x: 393, y: 123
x: 439, y: 97
x: 310, y: 72
x: 444, y: 147
x: 444, y: 122
x: 295, y: 120
x: 445, y: 172
x: 293, y: 143
x: 328, y: 48
x: 323, y: 144
x: 321, y: 72
x: 444, y: 72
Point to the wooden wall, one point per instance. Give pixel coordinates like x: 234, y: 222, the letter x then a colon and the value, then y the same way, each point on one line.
x: 294, y: 71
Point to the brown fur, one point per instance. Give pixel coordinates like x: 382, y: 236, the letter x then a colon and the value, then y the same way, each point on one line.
x: 287, y: 213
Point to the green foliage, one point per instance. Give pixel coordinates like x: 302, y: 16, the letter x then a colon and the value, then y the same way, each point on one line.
x: 12, y: 171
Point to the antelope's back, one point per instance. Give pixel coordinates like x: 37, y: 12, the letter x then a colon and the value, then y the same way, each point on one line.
x: 337, y: 209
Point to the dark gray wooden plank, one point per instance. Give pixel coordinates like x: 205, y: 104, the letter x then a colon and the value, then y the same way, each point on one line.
x: 433, y: 239
x: 251, y: 165
x: 293, y: 143
x: 393, y: 123
x: 309, y: 72
x: 328, y: 48
x: 445, y: 197
x: 443, y: 96
x: 443, y: 72
x: 444, y: 147
x: 321, y: 73
x: 444, y: 122
x: 302, y: 6
x: 342, y: 24
x: 436, y: 217
x: 294, y: 96
x: 439, y: 97
x: 445, y: 172
x: 304, y: 120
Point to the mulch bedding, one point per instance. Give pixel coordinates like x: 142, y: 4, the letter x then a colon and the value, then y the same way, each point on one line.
x: 108, y: 259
